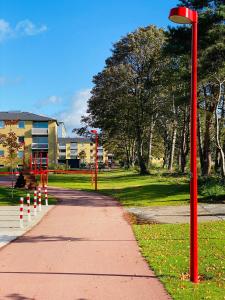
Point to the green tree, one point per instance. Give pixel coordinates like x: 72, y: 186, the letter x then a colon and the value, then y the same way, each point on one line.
x: 82, y: 155
x: 211, y: 70
x: 125, y: 98
x: 10, y: 142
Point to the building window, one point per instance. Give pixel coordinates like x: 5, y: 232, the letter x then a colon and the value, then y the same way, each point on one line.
x: 73, y: 145
x: 37, y: 124
x: 21, y: 124
x: 40, y: 139
x: 21, y: 139
x: 20, y: 154
x: 1, y: 153
x: 2, y: 124
x: 62, y: 150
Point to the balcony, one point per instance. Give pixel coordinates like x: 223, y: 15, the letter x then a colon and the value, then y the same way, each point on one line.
x: 39, y: 131
x: 73, y: 147
x: 39, y: 146
x: 39, y: 161
x: 62, y: 147
x: 62, y: 153
x: 73, y: 152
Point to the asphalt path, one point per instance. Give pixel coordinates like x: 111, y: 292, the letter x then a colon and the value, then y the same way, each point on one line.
x: 82, y: 249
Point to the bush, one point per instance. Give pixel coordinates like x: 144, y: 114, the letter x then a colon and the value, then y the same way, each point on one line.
x: 211, y: 187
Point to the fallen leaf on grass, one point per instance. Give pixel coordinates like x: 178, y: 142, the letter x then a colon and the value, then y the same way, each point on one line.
x: 184, y: 276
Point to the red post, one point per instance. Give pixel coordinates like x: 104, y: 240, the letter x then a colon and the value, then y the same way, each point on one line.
x: 96, y: 161
x: 41, y: 161
x: 35, y: 163
x: 47, y: 161
x: 24, y: 148
x: 96, y: 158
x: 194, y: 173
x: 184, y: 15
x: 31, y: 162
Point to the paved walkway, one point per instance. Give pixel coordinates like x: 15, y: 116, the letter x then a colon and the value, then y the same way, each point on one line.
x: 84, y: 250
x: 178, y: 214
x: 10, y: 223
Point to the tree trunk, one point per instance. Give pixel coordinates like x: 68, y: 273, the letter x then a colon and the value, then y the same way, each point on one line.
x: 217, y: 161
x: 222, y: 159
x: 184, y: 142
x: 141, y: 162
x: 172, y: 151
x: 133, y: 154
x: 166, y: 150
x: 179, y: 159
x: 200, y: 144
x: 207, y: 157
x: 150, y: 138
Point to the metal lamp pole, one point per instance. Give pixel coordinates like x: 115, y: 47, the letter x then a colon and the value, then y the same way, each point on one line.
x: 96, y: 158
x: 184, y: 15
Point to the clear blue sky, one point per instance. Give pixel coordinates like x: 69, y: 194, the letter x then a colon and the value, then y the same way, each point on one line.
x: 50, y: 49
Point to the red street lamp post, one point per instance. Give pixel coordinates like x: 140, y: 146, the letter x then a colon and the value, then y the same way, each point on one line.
x: 96, y: 158
x: 184, y: 15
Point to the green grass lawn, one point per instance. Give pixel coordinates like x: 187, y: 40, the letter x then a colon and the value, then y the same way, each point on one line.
x: 134, y: 190
x: 166, y: 249
x: 6, y: 196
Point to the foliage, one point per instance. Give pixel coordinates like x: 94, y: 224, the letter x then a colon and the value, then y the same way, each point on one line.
x: 124, y: 98
x: 82, y: 155
x: 166, y: 249
x: 9, y: 141
x: 141, y: 103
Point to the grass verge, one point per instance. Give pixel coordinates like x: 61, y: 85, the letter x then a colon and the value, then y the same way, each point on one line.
x: 6, y: 196
x: 134, y: 190
x: 166, y: 249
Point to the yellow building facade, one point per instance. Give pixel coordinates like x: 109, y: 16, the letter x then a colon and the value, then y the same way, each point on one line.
x: 75, y: 151
x: 37, y: 135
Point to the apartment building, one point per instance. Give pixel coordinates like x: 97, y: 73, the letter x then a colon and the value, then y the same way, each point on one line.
x: 36, y: 133
x: 75, y: 151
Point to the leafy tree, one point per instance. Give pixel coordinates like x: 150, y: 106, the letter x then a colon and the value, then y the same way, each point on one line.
x: 211, y: 68
x: 82, y: 155
x: 125, y: 97
x: 10, y: 142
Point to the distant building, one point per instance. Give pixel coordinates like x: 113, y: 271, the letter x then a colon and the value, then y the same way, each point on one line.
x: 73, y: 151
x: 44, y: 139
x: 36, y: 133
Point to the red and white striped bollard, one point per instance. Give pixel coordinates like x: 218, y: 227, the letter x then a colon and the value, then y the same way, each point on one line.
x: 21, y: 212
x: 35, y: 203
x: 46, y: 196
x: 28, y: 208
x: 39, y: 202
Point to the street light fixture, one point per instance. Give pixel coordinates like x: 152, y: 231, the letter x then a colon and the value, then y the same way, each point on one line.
x: 96, y: 158
x: 184, y: 15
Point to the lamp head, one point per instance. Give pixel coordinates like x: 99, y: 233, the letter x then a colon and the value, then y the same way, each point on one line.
x: 183, y: 15
x: 94, y: 131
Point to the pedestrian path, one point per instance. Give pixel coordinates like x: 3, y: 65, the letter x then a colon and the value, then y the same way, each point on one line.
x: 178, y: 214
x: 83, y: 249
